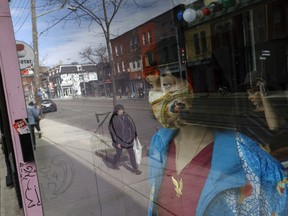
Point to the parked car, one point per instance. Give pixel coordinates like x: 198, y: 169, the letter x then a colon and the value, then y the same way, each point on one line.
x: 48, y: 106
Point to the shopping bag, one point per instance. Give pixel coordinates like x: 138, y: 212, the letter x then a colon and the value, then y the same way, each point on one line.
x: 137, y: 147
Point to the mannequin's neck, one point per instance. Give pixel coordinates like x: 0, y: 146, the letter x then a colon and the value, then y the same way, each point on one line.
x: 189, y: 141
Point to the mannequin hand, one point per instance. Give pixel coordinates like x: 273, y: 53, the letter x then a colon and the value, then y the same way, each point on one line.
x: 261, y: 84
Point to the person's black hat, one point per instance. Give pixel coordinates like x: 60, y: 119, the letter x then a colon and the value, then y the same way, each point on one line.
x: 118, y: 107
x: 251, y: 79
x: 249, y: 82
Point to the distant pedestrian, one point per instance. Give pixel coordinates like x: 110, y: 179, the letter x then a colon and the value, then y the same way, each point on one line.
x: 33, y: 117
x: 120, y: 92
x: 141, y: 92
x: 40, y: 94
x: 123, y: 133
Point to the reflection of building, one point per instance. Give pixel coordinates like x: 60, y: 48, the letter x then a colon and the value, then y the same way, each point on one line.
x: 215, y: 50
x: 27, y: 76
x: 151, y: 47
x: 124, y: 52
x: 104, y: 80
x: 220, y: 52
x: 73, y: 80
x: 147, y: 32
x: 28, y: 83
x: 170, y: 43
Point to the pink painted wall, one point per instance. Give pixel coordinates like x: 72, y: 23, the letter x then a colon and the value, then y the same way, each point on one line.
x: 27, y: 174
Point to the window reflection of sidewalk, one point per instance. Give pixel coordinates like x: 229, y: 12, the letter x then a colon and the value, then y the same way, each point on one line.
x: 104, y: 152
x: 95, y: 189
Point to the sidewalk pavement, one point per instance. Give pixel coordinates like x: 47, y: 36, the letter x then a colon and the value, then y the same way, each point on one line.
x: 8, y: 200
x: 76, y: 177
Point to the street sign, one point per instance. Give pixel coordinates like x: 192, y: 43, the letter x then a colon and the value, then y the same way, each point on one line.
x: 25, y: 54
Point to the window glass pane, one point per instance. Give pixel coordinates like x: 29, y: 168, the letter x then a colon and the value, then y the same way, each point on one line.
x: 202, y: 85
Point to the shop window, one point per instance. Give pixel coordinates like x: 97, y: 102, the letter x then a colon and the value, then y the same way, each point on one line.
x: 166, y: 53
x: 164, y: 31
x: 118, y: 68
x: 123, y: 66
x: 203, y: 41
x: 219, y: 55
x: 259, y: 24
x: 149, y: 59
x: 116, y: 50
x: 149, y: 36
x: 131, y: 43
x: 135, y: 42
x: 220, y: 35
x: 174, y: 51
x: 277, y: 24
x: 196, y: 43
x: 144, y: 39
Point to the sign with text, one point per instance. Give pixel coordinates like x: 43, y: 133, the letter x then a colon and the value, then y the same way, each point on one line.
x: 25, y: 54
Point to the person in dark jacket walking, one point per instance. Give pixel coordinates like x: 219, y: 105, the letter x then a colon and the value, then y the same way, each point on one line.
x: 123, y: 132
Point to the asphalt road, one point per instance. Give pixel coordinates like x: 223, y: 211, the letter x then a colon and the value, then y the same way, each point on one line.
x: 81, y: 112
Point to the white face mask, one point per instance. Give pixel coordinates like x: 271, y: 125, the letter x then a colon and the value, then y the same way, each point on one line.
x: 168, y: 107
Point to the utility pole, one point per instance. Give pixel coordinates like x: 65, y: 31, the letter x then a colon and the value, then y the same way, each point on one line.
x: 36, y: 53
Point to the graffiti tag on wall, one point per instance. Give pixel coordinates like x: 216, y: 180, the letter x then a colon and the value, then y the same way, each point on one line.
x: 28, y: 177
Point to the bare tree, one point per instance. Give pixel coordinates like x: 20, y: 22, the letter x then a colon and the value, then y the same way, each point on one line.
x: 88, y: 54
x: 97, y: 56
x: 94, y: 55
x: 101, y: 12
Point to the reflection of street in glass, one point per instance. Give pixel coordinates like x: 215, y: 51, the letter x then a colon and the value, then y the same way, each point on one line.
x: 57, y: 176
x: 107, y: 156
x: 76, y: 178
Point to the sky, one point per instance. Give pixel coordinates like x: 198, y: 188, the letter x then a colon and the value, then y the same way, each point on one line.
x: 62, y: 43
